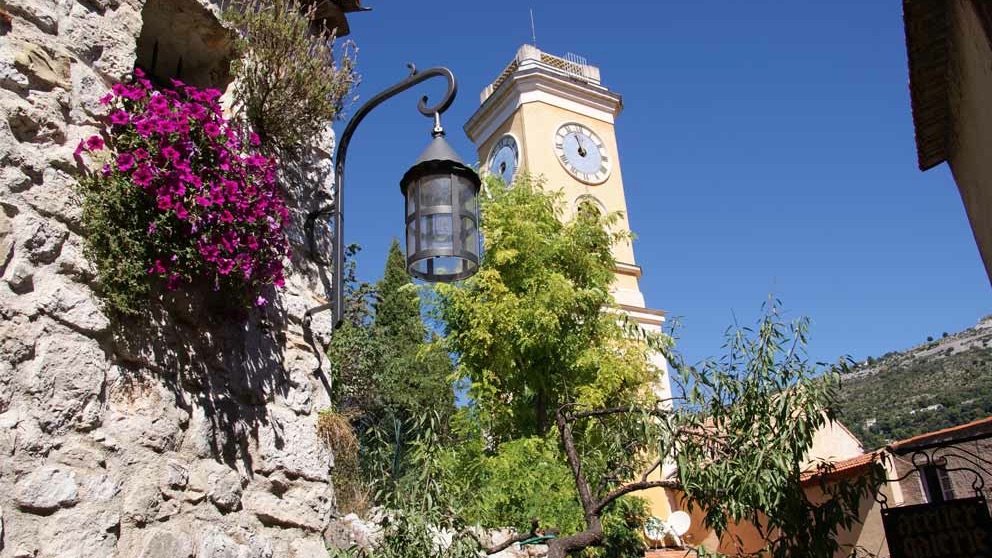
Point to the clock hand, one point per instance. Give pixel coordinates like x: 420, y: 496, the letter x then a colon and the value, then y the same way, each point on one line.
x: 582, y: 151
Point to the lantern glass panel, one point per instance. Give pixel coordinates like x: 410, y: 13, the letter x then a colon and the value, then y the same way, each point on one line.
x: 435, y: 190
x: 467, y: 197
x: 470, y: 236
x: 436, y: 233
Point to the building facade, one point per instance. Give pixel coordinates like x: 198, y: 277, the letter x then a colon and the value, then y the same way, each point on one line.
x: 949, y: 47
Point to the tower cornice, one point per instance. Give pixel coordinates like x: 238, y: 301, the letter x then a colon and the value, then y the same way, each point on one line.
x: 533, y: 80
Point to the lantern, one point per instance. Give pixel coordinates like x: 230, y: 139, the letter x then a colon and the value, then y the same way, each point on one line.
x: 442, y: 214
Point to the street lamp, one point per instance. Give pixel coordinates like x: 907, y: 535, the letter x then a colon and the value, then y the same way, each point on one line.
x: 441, y: 192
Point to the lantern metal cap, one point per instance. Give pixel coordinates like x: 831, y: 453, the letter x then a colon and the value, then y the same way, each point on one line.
x: 439, y: 156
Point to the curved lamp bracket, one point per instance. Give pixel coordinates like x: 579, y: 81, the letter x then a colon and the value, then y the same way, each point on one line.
x: 335, y: 209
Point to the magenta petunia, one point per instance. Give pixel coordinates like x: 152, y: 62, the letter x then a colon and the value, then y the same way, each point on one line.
x: 125, y: 162
x: 157, y: 268
x: 143, y: 176
x: 170, y: 153
x: 145, y: 127
x: 120, y: 117
x: 159, y: 103
x: 94, y: 143
x: 211, y: 129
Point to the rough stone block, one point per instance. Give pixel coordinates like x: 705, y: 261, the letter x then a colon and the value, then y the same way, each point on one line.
x: 162, y: 542
x: 44, y: 69
x: 289, y: 442
x: 308, y: 548
x: 274, y: 511
x: 66, y: 374
x: 225, y: 490
x: 46, y: 490
x: 41, y: 240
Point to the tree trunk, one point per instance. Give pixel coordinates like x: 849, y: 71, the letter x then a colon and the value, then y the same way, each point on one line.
x: 541, y: 412
x: 593, y: 536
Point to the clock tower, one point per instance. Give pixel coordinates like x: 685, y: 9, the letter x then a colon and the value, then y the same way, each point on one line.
x: 551, y: 116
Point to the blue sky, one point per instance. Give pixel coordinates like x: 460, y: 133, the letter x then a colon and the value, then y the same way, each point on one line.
x: 767, y: 147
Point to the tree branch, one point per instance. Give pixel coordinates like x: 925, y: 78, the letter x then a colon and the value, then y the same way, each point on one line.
x: 513, y: 540
x: 572, y: 454
x: 633, y: 487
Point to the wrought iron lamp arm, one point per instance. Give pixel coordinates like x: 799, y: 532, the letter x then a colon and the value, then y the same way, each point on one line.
x: 336, y: 209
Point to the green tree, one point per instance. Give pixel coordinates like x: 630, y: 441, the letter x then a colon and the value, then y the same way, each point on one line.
x: 391, y: 374
x: 534, y: 329
x: 415, y: 377
x: 740, y: 439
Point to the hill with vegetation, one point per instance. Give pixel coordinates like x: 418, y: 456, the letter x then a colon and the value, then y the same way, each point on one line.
x: 944, y: 382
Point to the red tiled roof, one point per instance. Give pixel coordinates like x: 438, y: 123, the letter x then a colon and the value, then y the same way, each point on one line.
x: 841, y: 469
x: 980, y: 427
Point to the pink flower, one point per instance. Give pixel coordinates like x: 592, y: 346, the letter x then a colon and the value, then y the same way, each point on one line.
x: 94, y: 143
x: 125, y: 162
x: 181, y: 212
x: 261, y: 301
x: 164, y: 202
x: 145, y: 127
x: 119, y: 117
x: 254, y: 140
x: 152, y: 227
x: 211, y: 129
x: 159, y: 104
x: 140, y: 154
x: 170, y: 153
x: 143, y: 176
x: 138, y: 72
x: 157, y: 268
x: 105, y: 100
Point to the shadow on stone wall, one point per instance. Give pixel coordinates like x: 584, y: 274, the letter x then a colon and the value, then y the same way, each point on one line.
x: 226, y: 362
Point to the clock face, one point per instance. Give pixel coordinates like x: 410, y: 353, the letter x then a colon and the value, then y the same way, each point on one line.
x: 582, y: 153
x: 503, y: 158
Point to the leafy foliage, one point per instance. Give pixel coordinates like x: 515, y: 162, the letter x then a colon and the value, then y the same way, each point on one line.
x: 289, y: 85
x: 181, y: 198
x: 393, y: 381
x: 529, y: 328
x: 742, y: 438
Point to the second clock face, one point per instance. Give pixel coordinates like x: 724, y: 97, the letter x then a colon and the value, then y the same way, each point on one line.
x: 503, y: 158
x: 582, y: 153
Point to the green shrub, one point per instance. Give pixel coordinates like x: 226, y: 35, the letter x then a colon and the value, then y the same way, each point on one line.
x: 289, y: 85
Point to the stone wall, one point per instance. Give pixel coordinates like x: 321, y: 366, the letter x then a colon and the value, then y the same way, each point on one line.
x: 187, y: 432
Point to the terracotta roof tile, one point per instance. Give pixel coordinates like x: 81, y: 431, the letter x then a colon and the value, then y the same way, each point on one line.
x: 842, y: 468
x: 953, y: 433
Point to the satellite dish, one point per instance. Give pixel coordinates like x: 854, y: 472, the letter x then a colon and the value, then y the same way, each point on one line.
x: 679, y: 522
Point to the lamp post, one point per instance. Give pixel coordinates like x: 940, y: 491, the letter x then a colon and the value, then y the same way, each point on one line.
x: 441, y: 194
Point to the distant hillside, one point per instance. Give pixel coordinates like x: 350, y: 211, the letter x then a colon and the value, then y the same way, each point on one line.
x: 943, y: 382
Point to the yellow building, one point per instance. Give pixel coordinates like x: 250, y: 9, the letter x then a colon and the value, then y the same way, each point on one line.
x: 551, y: 116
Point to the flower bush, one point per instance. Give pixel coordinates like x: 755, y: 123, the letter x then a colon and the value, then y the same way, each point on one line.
x: 183, y: 197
